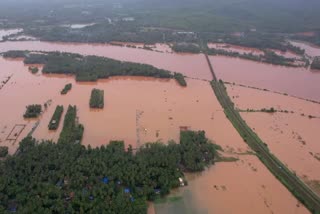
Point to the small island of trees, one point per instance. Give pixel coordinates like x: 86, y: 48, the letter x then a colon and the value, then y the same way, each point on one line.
x: 56, y: 117
x: 66, y: 88
x: 32, y: 111
x: 87, y: 68
x: 186, y: 48
x: 180, y: 79
x: 97, y: 98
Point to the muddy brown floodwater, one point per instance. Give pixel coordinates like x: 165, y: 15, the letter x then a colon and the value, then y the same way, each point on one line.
x: 293, y: 137
x: 139, y: 110
x: 294, y: 81
x: 189, y: 64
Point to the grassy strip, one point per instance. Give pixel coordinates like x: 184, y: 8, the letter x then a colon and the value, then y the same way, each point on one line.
x: 257, y: 145
x: 56, y: 117
x: 66, y: 88
x: 72, y: 131
x: 97, y: 98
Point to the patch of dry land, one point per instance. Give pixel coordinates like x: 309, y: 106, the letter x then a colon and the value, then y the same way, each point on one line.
x: 292, y: 135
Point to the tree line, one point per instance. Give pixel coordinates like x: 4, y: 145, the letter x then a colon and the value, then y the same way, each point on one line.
x: 87, y: 68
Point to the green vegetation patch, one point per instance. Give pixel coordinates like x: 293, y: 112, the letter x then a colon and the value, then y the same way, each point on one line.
x: 66, y: 88
x: 89, y: 68
x: 72, y: 131
x: 32, y: 111
x: 3, y: 151
x: 33, y: 70
x: 97, y: 98
x: 316, y: 63
x: 56, y: 117
x: 180, y: 79
x: 47, y: 177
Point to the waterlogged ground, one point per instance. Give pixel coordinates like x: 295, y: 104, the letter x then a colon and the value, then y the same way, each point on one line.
x: 245, y: 186
x: 247, y: 50
x: 293, y: 137
x: 137, y: 109
x: 293, y: 81
x: 7, y: 32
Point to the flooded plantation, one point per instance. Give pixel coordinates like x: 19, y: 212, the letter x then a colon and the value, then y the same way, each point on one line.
x: 291, y: 133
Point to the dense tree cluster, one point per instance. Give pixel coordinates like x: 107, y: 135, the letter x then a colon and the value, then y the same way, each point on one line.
x: 180, y: 79
x: 3, y: 151
x: 89, y: 68
x: 316, y: 63
x: 72, y: 131
x: 32, y: 111
x: 44, y: 177
x: 186, y: 47
x: 66, y: 88
x: 97, y: 98
x: 258, y: 40
x: 56, y: 117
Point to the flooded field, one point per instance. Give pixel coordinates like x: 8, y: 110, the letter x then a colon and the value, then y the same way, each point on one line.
x: 158, y: 108
x: 293, y: 81
x: 247, y: 50
x: 235, y: 48
x: 292, y: 136
x: 8, y: 32
x: 311, y: 50
x: 189, y: 64
x: 139, y: 110
x: 245, y: 186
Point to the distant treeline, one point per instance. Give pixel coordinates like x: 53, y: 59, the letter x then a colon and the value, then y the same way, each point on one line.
x: 47, y: 177
x: 87, y: 68
x: 256, y: 40
x: 268, y: 57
